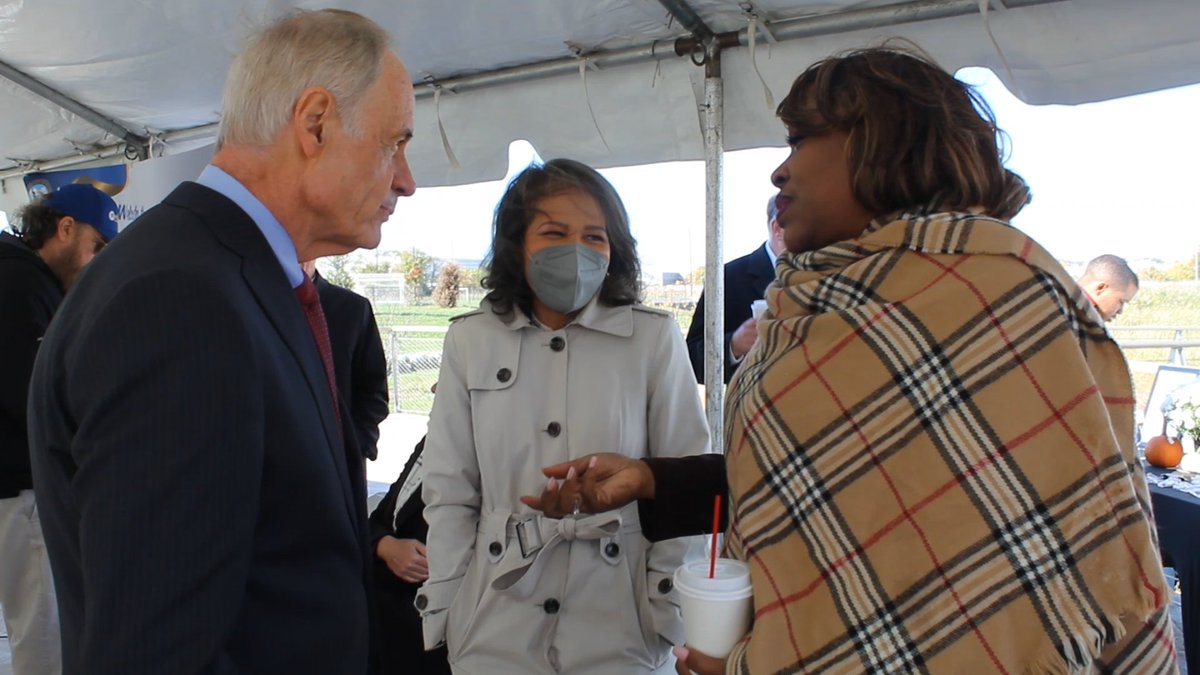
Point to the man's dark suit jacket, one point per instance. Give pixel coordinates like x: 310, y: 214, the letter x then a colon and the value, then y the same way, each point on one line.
x: 746, y: 278
x: 201, y: 510
x: 358, y: 360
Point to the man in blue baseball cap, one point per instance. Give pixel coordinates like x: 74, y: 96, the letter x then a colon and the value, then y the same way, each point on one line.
x: 67, y: 228
x: 57, y: 237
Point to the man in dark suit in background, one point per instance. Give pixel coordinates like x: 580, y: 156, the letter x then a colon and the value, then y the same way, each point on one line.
x: 746, y: 278
x: 203, y: 508
x: 359, y: 364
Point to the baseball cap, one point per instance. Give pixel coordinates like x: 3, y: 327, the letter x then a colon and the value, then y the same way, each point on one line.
x: 87, y: 205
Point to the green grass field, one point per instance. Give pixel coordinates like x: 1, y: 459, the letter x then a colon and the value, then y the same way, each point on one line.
x: 1174, y: 304
x: 393, y: 314
x: 1170, y: 303
x: 411, y: 392
x: 1165, y: 304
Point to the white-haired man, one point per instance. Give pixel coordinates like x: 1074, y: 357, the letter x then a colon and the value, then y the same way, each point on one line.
x: 200, y: 487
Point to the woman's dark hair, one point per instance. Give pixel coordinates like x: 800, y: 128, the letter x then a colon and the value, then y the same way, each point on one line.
x: 505, y: 262
x: 38, y: 224
x: 918, y: 137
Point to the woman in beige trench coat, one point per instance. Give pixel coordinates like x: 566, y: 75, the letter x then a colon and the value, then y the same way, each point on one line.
x: 559, y: 361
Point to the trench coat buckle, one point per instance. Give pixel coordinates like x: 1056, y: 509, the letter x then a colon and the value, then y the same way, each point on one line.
x: 529, y: 537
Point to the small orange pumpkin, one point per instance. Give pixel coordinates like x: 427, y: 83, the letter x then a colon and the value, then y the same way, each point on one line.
x: 1164, y: 452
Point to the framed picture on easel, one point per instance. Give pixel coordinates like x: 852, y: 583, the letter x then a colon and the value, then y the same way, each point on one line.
x: 1166, y: 380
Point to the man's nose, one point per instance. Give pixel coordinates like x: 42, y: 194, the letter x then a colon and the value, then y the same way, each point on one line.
x: 403, y: 183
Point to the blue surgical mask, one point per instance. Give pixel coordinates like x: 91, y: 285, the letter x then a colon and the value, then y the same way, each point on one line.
x: 567, y: 277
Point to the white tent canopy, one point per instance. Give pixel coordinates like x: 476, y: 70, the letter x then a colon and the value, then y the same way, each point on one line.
x: 153, y: 69
x: 596, y: 80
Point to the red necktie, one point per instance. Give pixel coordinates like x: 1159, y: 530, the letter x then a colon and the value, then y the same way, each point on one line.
x: 306, y: 293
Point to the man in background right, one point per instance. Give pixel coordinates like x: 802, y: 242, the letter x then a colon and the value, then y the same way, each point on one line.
x: 1109, y: 284
x: 746, y: 279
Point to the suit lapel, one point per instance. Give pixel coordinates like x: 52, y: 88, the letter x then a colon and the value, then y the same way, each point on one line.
x: 761, y: 270
x: 265, y: 279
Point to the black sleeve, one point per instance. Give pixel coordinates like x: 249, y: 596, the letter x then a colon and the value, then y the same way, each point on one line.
x: 695, y: 344
x: 695, y: 340
x: 26, y: 307
x: 727, y: 354
x: 381, y: 523
x: 684, y: 491
x: 369, y: 400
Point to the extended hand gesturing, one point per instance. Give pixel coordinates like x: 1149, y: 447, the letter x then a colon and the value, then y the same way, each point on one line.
x: 593, y: 484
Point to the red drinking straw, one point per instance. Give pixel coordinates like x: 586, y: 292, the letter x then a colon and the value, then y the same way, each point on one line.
x: 712, y: 561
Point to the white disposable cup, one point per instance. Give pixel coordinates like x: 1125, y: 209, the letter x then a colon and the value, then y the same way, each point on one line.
x: 716, y: 611
x: 757, y: 308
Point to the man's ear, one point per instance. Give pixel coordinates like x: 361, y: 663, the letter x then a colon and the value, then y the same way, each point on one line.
x: 311, y: 117
x: 1101, y: 287
x: 66, y: 227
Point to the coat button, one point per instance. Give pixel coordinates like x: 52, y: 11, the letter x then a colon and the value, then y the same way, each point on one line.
x: 504, y: 374
x: 554, y: 429
x: 550, y: 606
x: 422, y: 602
x: 664, y: 586
x: 495, y: 548
x: 612, y: 550
x: 557, y: 343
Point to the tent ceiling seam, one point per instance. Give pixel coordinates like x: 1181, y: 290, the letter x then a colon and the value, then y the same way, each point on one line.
x: 93, y: 117
x: 781, y: 30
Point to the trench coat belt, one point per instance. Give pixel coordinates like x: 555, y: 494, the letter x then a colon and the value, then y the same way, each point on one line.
x: 519, y: 574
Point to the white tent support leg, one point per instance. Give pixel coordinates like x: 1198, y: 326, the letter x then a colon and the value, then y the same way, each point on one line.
x: 714, y: 277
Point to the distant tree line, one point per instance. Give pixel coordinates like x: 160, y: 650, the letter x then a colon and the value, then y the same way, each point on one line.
x: 425, y: 277
x: 1184, y: 270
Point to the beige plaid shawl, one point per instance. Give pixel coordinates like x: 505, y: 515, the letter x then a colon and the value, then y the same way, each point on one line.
x: 931, y: 465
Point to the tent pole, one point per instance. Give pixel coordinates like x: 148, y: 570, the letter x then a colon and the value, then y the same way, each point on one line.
x: 714, y: 277
x: 44, y: 91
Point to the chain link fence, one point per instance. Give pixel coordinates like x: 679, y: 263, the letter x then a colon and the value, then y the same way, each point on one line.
x: 414, y: 355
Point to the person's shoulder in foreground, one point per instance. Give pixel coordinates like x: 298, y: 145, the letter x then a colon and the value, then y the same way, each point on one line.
x: 180, y: 404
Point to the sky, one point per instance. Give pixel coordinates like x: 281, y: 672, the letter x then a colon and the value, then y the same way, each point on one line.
x: 1109, y: 177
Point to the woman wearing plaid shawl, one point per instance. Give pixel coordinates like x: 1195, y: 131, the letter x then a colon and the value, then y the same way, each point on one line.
x: 930, y: 453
